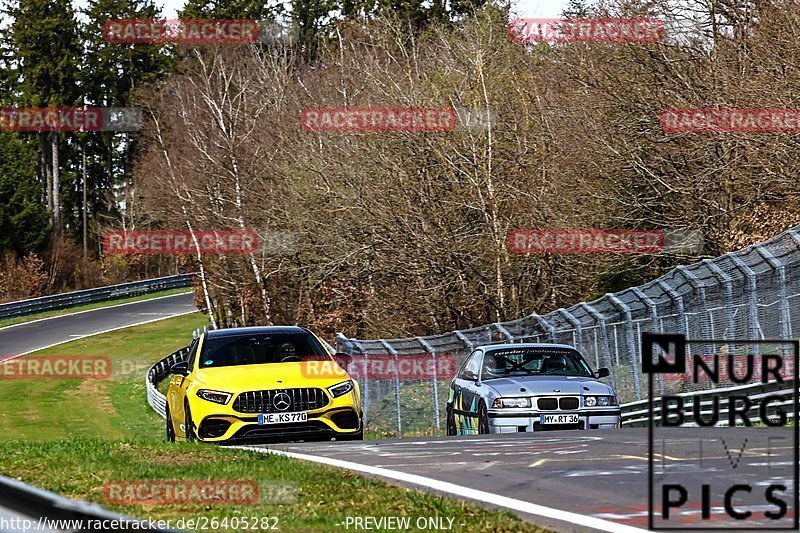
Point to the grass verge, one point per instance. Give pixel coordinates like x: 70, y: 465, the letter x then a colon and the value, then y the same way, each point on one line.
x: 96, y: 305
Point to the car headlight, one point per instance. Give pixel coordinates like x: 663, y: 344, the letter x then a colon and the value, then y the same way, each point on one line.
x: 214, y: 396
x: 341, y: 388
x: 499, y: 403
x: 600, y: 401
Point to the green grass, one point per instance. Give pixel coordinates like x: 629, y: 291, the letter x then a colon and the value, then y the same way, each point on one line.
x: 74, y: 436
x: 310, y: 497
x: 114, y: 408
x: 96, y: 305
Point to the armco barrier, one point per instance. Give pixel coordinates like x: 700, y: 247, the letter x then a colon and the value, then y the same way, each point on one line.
x: 157, y: 373
x: 100, y: 294
x: 635, y: 414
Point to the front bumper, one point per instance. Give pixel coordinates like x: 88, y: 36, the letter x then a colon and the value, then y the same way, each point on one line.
x: 519, y: 420
x: 221, y: 424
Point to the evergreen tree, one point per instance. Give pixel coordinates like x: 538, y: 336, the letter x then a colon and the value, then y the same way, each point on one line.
x: 45, y: 45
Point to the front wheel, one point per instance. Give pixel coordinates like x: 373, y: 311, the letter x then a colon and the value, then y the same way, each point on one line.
x: 483, y: 419
x: 451, y: 423
x: 189, y: 427
x: 170, y: 427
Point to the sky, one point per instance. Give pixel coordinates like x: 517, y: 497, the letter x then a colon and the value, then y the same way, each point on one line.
x: 524, y: 8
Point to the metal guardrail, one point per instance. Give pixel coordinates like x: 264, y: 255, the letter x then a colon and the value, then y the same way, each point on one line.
x: 39, y: 504
x: 635, y: 414
x: 157, y: 373
x: 99, y: 294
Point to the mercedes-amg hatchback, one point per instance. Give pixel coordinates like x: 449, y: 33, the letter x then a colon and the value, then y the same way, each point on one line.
x: 262, y: 383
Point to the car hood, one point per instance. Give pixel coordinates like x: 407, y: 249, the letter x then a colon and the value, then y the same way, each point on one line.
x: 318, y: 374
x: 536, y: 385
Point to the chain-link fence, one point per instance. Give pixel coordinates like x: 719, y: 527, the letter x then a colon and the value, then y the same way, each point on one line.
x: 750, y: 294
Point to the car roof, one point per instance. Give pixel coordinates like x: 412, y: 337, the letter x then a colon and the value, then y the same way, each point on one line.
x: 254, y: 330
x: 517, y: 345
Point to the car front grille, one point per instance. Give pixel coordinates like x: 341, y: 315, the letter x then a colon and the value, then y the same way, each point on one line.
x: 565, y: 403
x: 263, y: 401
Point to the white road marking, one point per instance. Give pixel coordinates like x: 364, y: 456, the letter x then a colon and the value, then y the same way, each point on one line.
x: 95, y: 309
x: 96, y: 333
x: 461, y: 491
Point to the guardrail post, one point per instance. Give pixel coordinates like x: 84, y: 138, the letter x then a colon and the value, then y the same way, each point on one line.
x: 629, y: 340
x: 434, y: 379
x: 755, y: 327
x: 577, y: 324
x: 601, y: 324
x: 548, y: 327
x: 393, y: 352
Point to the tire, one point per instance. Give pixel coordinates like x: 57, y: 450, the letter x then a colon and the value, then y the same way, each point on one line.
x: 170, y: 427
x: 189, y: 426
x: 451, y: 424
x: 483, y: 419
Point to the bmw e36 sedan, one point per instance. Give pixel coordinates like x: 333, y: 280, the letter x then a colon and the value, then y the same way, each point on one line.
x: 511, y: 388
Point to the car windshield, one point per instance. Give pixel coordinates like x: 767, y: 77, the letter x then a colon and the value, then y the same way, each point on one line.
x: 261, y: 349
x: 533, y: 362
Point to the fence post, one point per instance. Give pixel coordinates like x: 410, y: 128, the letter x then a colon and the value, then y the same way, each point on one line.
x: 629, y: 339
x: 392, y: 351
x: 653, y: 325
x: 729, y: 316
x: 577, y: 324
x: 551, y: 330
x: 434, y: 379
x: 504, y: 331
x: 786, y: 326
x: 701, y: 291
x: 465, y: 340
x: 755, y: 327
x: 601, y: 323
x: 342, y: 343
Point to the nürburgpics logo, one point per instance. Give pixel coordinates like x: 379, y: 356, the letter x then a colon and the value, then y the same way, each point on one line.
x: 718, y: 414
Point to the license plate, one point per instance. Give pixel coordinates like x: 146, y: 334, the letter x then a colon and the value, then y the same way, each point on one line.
x: 558, y: 419
x: 281, y: 418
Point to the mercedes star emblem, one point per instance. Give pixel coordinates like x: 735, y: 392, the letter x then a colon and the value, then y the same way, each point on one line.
x: 281, y: 401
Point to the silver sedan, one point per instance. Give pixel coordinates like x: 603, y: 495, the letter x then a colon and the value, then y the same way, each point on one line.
x: 510, y: 388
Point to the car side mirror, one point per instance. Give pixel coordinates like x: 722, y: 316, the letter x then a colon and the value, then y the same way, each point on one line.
x: 603, y: 373
x: 181, y: 369
x: 343, y: 359
x: 469, y: 375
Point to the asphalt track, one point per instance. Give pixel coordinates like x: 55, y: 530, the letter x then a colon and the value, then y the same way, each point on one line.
x: 601, y: 474
x: 31, y: 336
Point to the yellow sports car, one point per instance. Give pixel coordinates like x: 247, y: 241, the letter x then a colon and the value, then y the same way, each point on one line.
x: 276, y: 383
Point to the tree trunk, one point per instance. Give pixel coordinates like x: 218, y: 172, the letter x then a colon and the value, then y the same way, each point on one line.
x: 57, y: 224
